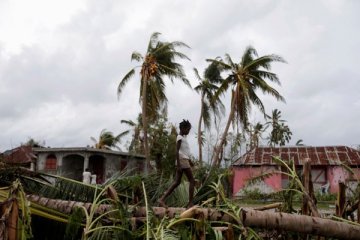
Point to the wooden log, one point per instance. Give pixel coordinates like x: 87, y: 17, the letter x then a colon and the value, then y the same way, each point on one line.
x: 309, y: 200
x: 300, y: 223
x: 306, y: 183
x: 341, y: 200
x: 358, y: 213
x: 12, y: 225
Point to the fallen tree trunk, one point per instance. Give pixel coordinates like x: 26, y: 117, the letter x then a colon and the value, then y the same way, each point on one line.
x: 250, y: 218
x: 300, y: 224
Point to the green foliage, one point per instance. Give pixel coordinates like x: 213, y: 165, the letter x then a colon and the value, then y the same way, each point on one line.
x: 280, y: 133
x: 33, y: 143
x: 234, y: 140
x: 331, y: 197
x: 255, y: 134
x: 206, y: 176
x: 255, y: 194
x: 73, y: 228
x: 67, y: 189
x: 107, y: 139
x: 162, y: 139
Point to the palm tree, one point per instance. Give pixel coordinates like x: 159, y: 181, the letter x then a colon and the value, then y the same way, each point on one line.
x: 34, y: 143
x: 158, y: 62
x: 207, y: 88
x: 255, y: 133
x: 107, y: 139
x: 280, y: 133
x: 244, y: 78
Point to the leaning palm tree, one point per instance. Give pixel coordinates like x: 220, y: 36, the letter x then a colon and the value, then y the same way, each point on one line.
x: 158, y: 62
x: 209, y: 104
x: 244, y: 78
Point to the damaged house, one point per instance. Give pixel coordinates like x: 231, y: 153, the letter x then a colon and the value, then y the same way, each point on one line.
x: 327, y: 167
x: 70, y: 162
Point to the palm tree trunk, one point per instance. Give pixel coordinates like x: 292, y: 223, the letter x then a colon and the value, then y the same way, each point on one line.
x: 9, y: 213
x: 13, y: 221
x: 300, y: 224
x: 145, y: 123
x: 199, y: 129
x: 248, y: 218
x: 216, y: 160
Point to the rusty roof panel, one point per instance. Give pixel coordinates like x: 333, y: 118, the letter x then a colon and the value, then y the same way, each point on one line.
x: 267, y: 150
x: 284, y: 150
x: 311, y: 149
x: 293, y: 150
x: 302, y: 150
x: 341, y: 149
x: 323, y: 155
x: 330, y: 149
x: 303, y: 155
x: 332, y: 156
x: 320, y: 149
x: 275, y: 151
x: 284, y: 156
x: 19, y: 155
x: 343, y: 156
x: 267, y: 158
x: 295, y: 157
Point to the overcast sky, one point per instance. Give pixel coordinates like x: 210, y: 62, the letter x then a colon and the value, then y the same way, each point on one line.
x: 61, y: 62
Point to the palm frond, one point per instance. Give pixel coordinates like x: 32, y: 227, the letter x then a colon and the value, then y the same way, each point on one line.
x: 248, y: 56
x: 128, y: 122
x: 266, y: 75
x: 68, y: 189
x: 264, y: 62
x: 124, y: 81
x: 136, y: 56
x: 154, y: 38
x: 197, y: 75
x: 220, y: 63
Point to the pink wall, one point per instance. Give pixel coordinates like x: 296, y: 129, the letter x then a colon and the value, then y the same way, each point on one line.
x: 336, y: 174
x: 242, y: 175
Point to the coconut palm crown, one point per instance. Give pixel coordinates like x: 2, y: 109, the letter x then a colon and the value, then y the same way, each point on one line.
x: 244, y: 79
x: 158, y: 62
x: 108, y: 140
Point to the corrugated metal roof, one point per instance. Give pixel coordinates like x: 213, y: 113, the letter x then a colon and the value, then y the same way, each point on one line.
x: 20, y: 155
x: 324, y: 155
